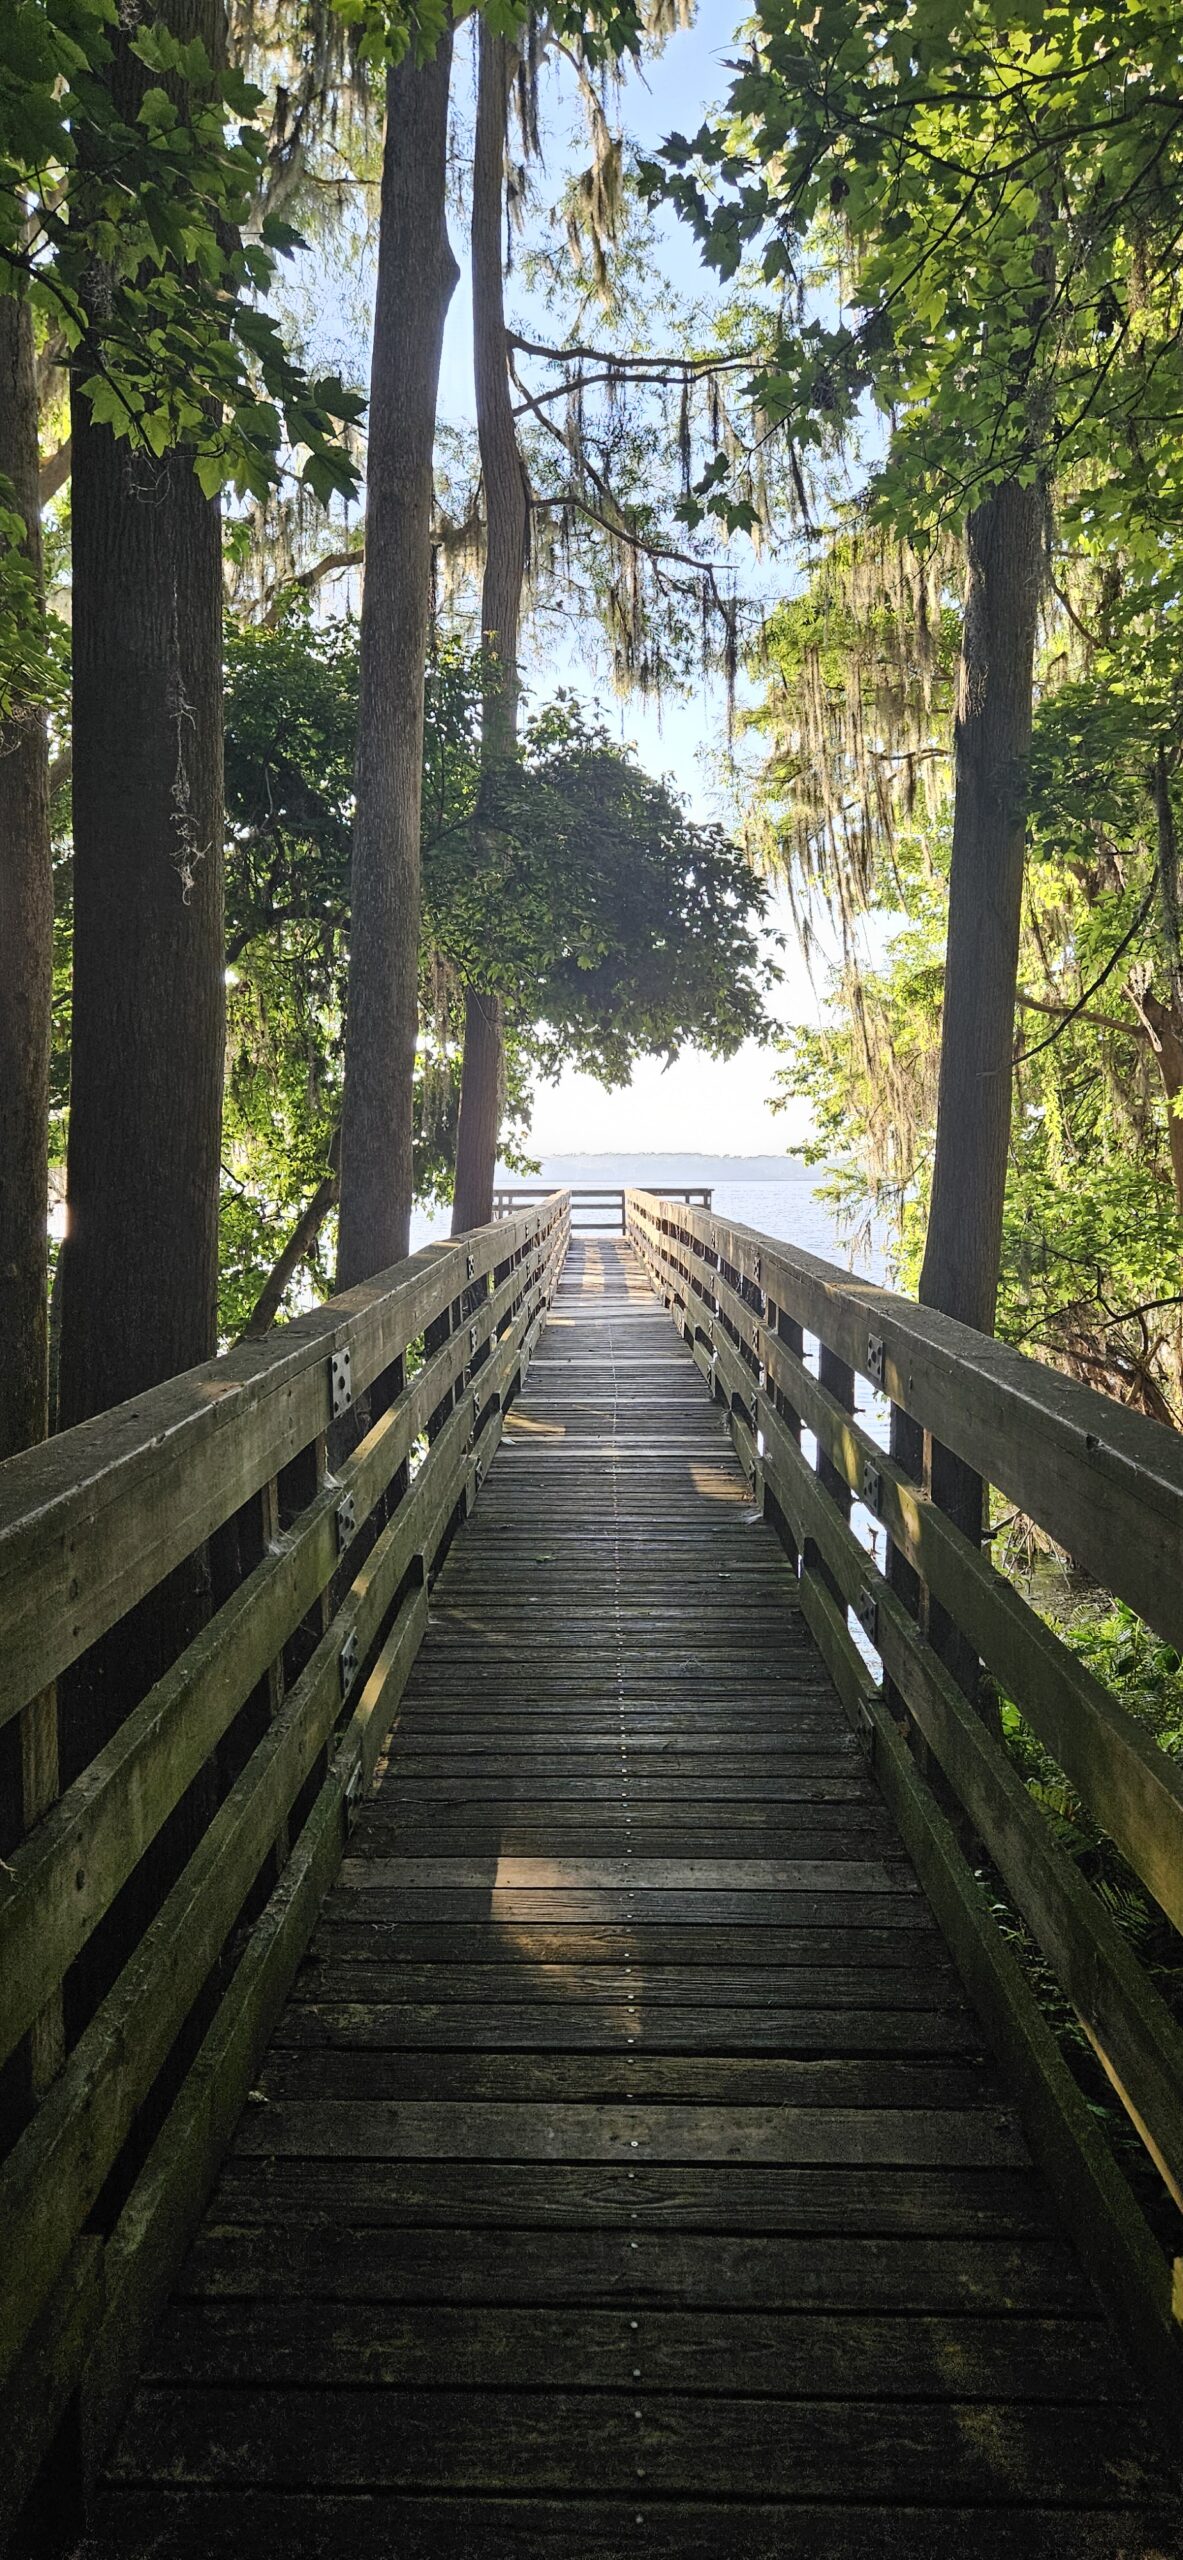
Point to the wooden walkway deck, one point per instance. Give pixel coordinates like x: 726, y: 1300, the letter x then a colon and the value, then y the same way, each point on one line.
x: 626, y: 2174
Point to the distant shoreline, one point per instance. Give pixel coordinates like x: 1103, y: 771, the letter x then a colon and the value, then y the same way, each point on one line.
x: 678, y: 1166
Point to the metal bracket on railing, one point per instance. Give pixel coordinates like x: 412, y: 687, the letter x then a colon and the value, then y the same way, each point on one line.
x: 875, y: 1357
x: 470, y: 1265
x: 872, y: 1485
x: 346, y: 1521
x: 867, y: 1612
x: 341, y: 1382
x: 754, y: 1409
x: 353, y: 1794
x: 348, y: 1664
x: 473, y: 1341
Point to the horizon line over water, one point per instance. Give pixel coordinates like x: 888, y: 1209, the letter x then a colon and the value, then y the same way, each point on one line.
x: 781, y: 1202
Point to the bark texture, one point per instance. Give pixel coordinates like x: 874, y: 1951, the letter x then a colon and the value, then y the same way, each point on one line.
x: 992, y: 738
x: 416, y: 278
x: 138, y: 1293
x: 26, y: 954
x: 139, y: 1271
x: 507, y: 553
x: 480, y: 1110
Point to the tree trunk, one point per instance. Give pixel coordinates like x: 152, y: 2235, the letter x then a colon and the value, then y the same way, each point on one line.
x: 507, y: 551
x: 416, y: 278
x: 480, y: 1110
x: 992, y: 737
x: 139, y: 1263
x: 29, y: 1742
x: 1163, y: 1024
x: 26, y: 953
x: 139, y: 1271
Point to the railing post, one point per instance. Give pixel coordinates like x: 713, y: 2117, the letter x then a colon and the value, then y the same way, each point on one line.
x: 29, y: 1786
x: 907, y: 1449
x: 837, y: 1377
x: 961, y: 1495
x: 788, y: 1333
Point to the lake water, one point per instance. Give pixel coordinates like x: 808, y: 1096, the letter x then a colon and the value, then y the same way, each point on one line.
x: 789, y: 1208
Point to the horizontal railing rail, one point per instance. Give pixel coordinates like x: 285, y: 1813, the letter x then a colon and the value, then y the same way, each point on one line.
x: 176, y: 1808
x: 1107, y: 1487
x: 596, y: 1209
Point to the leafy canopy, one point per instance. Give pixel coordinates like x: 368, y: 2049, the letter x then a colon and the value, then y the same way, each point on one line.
x: 975, y: 207
x: 129, y: 174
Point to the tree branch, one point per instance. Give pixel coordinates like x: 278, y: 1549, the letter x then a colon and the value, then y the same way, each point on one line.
x: 54, y: 472
x: 1066, y: 1012
x: 1072, y: 1011
x: 299, y: 1244
x: 303, y: 580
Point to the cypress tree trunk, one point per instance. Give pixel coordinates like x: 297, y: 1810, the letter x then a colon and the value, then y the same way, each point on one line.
x: 138, y: 1281
x: 416, y: 278
x: 992, y: 737
x: 29, y: 1742
x: 26, y: 953
x: 507, y: 551
x: 480, y: 1110
x: 139, y: 1270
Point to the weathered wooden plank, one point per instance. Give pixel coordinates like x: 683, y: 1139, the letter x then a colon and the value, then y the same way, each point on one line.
x: 170, y: 2525
x: 571, y: 1905
x: 686, y: 1846
x: 390, y: 2129
x: 576, y: 2441
x: 641, y: 2267
x: 638, y: 1875
x: 294, y: 2192
x: 611, y: 2074
x: 356, y: 1928
x: 815, y: 2355
x: 539, y: 1980
x: 855, y: 1819
x: 649, y: 2027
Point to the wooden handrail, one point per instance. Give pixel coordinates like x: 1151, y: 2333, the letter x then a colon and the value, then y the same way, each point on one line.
x: 1106, y: 1484
x: 278, y: 1705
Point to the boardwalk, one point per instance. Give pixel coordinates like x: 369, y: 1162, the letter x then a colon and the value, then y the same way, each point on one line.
x: 626, y: 2173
